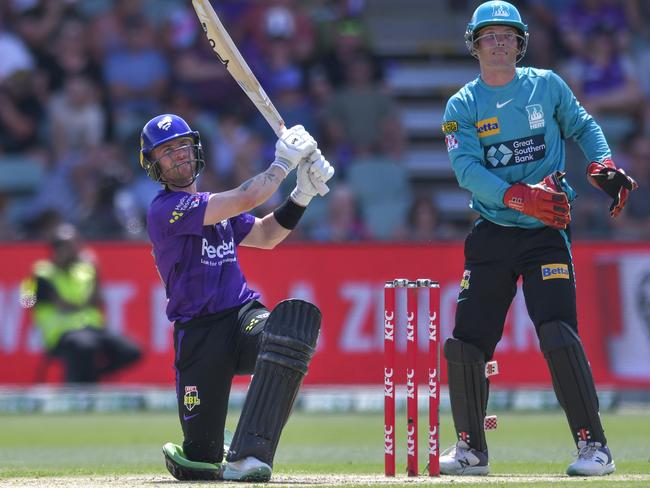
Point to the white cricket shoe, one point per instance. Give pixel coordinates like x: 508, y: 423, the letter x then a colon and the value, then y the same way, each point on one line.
x: 248, y: 469
x: 594, y: 459
x: 463, y: 460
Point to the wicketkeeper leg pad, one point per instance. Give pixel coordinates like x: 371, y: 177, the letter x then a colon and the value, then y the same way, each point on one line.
x: 288, y: 343
x: 572, y: 380
x: 468, y: 391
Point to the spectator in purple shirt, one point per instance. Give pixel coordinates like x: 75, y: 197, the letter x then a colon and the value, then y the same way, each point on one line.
x: 220, y: 327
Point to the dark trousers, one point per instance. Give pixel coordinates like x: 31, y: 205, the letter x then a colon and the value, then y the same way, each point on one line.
x: 495, y: 258
x: 210, y: 351
x: 90, y: 353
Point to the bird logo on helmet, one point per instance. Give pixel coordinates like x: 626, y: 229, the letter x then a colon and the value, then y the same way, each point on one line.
x: 496, y: 12
x: 161, y: 129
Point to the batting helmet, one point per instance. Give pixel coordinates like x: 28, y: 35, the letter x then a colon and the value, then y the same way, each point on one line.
x: 161, y: 129
x: 496, y: 12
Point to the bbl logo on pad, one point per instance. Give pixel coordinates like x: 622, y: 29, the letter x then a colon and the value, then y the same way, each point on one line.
x: 555, y: 271
x: 191, y: 398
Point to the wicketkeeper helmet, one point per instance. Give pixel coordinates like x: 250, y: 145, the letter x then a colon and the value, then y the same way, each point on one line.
x: 496, y: 12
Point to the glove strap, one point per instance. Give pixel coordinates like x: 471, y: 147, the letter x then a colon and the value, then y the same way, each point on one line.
x: 300, y: 197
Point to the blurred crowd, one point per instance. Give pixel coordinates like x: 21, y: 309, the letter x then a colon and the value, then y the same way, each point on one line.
x: 78, y: 79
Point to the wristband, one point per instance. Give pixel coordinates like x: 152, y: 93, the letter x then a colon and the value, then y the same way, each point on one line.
x: 288, y: 214
x: 282, y: 165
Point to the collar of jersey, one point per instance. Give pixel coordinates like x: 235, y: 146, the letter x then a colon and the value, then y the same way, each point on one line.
x: 507, y: 86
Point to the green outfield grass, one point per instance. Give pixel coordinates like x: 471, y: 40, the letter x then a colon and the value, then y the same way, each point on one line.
x: 129, y: 444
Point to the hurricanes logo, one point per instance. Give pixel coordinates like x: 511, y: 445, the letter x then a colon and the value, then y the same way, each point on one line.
x: 175, y: 216
x: 165, y: 123
x: 191, y: 398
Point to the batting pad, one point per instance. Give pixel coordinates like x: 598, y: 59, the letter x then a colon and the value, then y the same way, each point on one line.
x: 468, y: 391
x: 572, y: 380
x: 288, y: 343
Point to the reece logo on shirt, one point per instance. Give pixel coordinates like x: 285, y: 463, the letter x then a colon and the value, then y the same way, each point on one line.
x: 221, y: 251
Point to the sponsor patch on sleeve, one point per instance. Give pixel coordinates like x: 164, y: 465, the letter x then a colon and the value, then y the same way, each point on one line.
x: 449, y: 127
x: 452, y: 142
x: 555, y: 271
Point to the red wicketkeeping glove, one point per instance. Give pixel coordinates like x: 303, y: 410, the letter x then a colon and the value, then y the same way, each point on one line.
x: 544, y: 201
x: 613, y: 181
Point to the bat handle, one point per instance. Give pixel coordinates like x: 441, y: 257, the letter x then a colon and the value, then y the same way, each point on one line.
x: 281, y: 130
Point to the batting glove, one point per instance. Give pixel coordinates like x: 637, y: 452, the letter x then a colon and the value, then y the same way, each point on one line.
x: 312, y: 178
x: 294, y: 145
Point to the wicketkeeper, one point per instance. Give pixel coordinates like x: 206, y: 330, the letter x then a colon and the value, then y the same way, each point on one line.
x: 505, y: 135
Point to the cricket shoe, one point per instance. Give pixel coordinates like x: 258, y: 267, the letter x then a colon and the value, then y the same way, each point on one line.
x: 249, y: 469
x: 183, y: 469
x: 463, y: 460
x: 594, y: 459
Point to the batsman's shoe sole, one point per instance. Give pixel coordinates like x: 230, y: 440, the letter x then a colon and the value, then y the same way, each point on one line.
x: 183, y: 469
x: 468, y: 471
x: 598, y: 471
x: 249, y: 469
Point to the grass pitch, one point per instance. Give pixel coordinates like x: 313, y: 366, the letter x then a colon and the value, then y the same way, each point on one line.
x: 316, y: 449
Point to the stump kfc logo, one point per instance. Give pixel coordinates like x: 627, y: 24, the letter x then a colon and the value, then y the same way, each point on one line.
x: 389, y: 446
x: 410, y: 440
x: 389, y: 384
x: 410, y: 327
x: 389, y: 326
x: 433, y: 327
x: 433, y: 384
x: 433, y: 441
x: 410, y: 383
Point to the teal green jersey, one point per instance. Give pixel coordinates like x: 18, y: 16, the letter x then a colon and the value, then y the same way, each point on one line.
x: 497, y: 136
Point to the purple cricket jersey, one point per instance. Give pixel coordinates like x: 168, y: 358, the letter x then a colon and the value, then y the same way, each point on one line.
x: 198, y: 263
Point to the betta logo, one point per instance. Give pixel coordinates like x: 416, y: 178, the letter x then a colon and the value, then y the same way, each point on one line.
x: 165, y: 123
